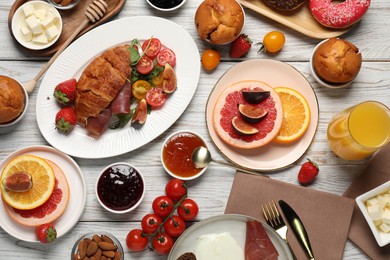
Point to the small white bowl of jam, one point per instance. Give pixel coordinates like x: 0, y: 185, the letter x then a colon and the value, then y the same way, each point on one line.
x: 120, y: 188
x: 176, y: 155
x: 164, y: 5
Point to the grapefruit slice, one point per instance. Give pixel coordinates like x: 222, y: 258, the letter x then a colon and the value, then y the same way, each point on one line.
x: 52, y: 209
x: 226, y: 108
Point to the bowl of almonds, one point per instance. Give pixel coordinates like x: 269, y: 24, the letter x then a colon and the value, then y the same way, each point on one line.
x: 64, y: 4
x: 97, y: 245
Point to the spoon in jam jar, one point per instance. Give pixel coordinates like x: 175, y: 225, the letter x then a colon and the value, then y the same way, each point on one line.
x: 201, y: 157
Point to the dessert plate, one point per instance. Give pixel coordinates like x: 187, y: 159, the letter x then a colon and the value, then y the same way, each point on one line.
x: 273, y: 156
x: 77, y: 56
x: 77, y: 191
x: 235, y: 224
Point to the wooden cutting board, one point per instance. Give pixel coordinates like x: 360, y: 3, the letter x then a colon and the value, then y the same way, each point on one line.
x: 70, y: 20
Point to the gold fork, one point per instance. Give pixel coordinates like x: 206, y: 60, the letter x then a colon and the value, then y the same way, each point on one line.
x: 275, y: 220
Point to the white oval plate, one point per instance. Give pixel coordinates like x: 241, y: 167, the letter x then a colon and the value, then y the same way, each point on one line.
x: 276, y: 74
x: 77, y: 56
x: 235, y: 224
x: 77, y: 191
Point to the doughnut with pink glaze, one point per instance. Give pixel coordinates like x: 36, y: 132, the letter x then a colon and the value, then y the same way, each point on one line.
x: 338, y: 14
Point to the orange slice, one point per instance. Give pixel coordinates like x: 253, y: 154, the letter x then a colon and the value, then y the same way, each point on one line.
x: 296, y: 115
x: 43, y: 182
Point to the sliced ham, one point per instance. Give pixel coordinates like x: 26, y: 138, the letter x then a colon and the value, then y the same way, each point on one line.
x: 121, y: 103
x: 97, y: 125
x: 258, y: 245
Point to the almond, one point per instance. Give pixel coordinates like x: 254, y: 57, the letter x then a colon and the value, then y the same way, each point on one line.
x: 117, y: 255
x: 96, y: 238
x: 82, y: 249
x: 109, y: 254
x: 107, y: 246
x: 98, y: 254
x: 103, y: 258
x: 92, y: 248
x: 107, y: 239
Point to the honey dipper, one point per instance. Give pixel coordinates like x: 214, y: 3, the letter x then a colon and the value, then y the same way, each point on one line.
x: 94, y: 12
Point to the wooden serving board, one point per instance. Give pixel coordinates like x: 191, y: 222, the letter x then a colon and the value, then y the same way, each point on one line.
x: 71, y: 19
x: 300, y: 20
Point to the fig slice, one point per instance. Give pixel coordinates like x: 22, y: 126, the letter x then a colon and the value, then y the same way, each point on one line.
x: 18, y: 182
x: 255, y: 96
x: 252, y: 114
x: 242, y: 127
x: 169, y: 79
x: 140, y: 113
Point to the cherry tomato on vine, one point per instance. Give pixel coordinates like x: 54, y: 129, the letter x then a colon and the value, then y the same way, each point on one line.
x: 166, y: 56
x: 174, y: 226
x: 210, y: 59
x: 140, y: 88
x: 136, y: 240
x: 162, y: 206
x: 145, y: 65
x: 273, y: 41
x: 175, y: 189
x: 162, y: 243
x: 156, y: 97
x: 150, y: 223
x: 151, y: 47
x: 188, y: 210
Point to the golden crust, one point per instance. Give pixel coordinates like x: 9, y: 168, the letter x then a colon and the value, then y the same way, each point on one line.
x: 101, y: 81
x: 11, y: 99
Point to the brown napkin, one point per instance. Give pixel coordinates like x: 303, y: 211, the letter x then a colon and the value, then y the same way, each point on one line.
x: 376, y: 173
x: 325, y: 216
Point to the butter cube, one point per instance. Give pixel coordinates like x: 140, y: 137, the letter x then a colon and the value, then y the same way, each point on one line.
x: 40, y: 38
x: 385, y: 227
x: 28, y: 10
x: 375, y: 212
x: 51, y: 32
x: 26, y: 33
x: 386, y: 216
x: 34, y: 24
x: 41, y: 14
x: 372, y: 201
x: 47, y: 22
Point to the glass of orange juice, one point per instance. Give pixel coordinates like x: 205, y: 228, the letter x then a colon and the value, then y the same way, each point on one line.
x: 359, y: 131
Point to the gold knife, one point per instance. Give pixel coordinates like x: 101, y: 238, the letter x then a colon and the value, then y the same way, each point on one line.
x: 297, y: 227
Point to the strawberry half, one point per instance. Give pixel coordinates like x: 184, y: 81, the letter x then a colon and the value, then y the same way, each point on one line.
x: 308, y: 172
x: 65, y: 92
x: 240, y: 46
x: 66, y: 119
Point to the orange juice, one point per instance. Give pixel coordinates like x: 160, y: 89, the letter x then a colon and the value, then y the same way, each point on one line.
x: 359, y: 131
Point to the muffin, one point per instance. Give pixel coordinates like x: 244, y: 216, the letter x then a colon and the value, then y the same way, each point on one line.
x: 337, y: 61
x: 12, y: 99
x: 219, y: 21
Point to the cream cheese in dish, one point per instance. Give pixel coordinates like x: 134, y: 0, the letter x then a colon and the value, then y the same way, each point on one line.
x: 220, y: 246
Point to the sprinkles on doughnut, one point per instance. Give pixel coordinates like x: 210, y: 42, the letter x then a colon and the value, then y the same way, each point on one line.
x: 338, y: 14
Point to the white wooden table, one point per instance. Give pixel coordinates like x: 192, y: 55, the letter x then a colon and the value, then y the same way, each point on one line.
x: 212, y: 190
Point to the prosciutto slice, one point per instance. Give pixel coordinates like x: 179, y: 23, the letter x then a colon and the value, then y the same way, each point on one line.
x: 97, y: 125
x: 121, y: 103
x: 258, y: 245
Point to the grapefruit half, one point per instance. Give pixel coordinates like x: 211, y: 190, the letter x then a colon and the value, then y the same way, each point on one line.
x: 226, y: 108
x: 52, y: 209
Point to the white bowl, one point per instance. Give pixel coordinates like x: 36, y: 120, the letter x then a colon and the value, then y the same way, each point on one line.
x: 66, y: 7
x: 18, y: 21
x: 166, y: 9
x: 173, y: 174
x: 131, y: 170
x: 381, y: 237
x: 318, y: 79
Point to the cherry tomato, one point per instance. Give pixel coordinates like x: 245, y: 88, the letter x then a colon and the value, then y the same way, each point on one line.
x: 151, y: 47
x: 156, y: 97
x: 140, y: 88
x: 166, y: 56
x: 188, y: 210
x: 210, y: 59
x: 136, y: 240
x: 150, y: 223
x: 162, y: 206
x: 175, y: 189
x: 174, y: 226
x: 144, y: 65
x: 162, y: 243
x: 274, y: 41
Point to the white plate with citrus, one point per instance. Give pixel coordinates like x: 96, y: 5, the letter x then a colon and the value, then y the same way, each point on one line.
x: 59, y: 198
x: 274, y: 149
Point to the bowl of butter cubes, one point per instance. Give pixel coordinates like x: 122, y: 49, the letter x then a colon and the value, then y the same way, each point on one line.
x: 375, y: 207
x: 36, y: 25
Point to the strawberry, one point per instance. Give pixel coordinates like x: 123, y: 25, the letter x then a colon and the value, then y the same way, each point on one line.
x: 65, y: 92
x: 46, y: 233
x: 66, y: 119
x: 308, y: 172
x: 240, y: 46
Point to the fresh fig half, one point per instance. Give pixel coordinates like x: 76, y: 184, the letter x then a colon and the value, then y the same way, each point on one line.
x: 242, y: 127
x: 169, y: 79
x: 140, y: 113
x: 255, y: 96
x: 252, y: 114
x: 18, y: 182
